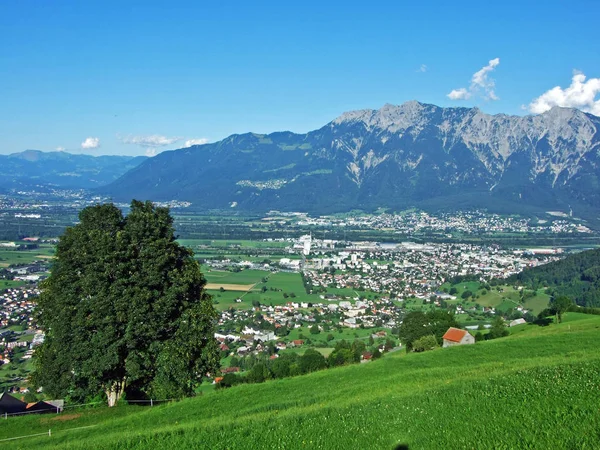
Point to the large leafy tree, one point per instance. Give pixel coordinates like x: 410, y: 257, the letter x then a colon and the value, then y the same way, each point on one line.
x: 124, y: 310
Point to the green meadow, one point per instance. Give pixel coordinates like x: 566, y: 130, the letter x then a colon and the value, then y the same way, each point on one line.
x: 9, y: 257
x: 537, y: 388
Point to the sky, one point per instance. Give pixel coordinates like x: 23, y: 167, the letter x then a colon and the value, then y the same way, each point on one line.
x: 139, y: 77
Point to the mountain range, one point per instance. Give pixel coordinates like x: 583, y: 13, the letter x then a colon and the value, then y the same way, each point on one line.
x: 395, y: 157
x: 33, y: 168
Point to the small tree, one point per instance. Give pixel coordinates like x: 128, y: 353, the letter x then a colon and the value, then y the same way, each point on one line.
x: 425, y: 343
x: 498, y: 329
x: 561, y: 305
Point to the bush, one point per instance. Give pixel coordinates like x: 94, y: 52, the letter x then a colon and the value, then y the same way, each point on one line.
x: 425, y: 343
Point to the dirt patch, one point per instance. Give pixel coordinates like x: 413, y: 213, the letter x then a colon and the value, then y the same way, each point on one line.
x: 64, y: 417
x: 229, y: 287
x: 44, y: 256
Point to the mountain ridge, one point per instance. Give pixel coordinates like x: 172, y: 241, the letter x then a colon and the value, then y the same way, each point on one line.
x: 394, y: 157
x: 34, y: 168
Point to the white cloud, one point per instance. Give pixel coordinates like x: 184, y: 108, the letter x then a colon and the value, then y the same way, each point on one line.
x: 198, y: 141
x: 459, y: 94
x: 151, y: 141
x: 480, y: 81
x: 60, y: 149
x: 150, y: 152
x: 423, y: 68
x: 90, y: 143
x: 581, y: 94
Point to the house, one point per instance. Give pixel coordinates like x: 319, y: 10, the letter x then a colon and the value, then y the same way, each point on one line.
x: 296, y: 343
x: 517, y: 322
x: 230, y: 370
x: 11, y: 405
x: 456, y: 336
x: 42, y: 407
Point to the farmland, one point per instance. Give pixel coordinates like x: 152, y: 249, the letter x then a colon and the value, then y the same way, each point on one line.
x: 537, y: 388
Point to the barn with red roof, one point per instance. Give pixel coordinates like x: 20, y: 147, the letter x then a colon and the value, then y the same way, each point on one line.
x: 456, y: 336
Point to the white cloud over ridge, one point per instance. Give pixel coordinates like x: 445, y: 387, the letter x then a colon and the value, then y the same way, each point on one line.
x: 90, y: 143
x: 459, y: 94
x: 480, y: 81
x: 581, y: 94
x: 151, y: 141
x: 198, y: 141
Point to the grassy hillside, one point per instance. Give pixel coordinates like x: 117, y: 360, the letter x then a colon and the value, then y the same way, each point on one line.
x: 538, y: 388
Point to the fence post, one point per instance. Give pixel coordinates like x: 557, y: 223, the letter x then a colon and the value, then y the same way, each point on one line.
x: 49, y: 432
x: 151, y: 404
x: 5, y: 416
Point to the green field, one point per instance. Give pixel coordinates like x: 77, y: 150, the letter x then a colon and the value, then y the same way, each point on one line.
x: 9, y: 257
x: 538, y: 388
x: 9, y: 284
x: 222, y: 243
x: 503, y: 299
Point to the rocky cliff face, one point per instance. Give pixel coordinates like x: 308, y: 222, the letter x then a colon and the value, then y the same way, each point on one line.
x: 398, y: 156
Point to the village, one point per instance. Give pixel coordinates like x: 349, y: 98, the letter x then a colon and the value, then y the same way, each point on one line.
x: 334, y: 291
x: 467, y: 222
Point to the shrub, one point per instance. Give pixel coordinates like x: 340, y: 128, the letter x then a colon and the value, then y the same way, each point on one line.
x: 425, y: 343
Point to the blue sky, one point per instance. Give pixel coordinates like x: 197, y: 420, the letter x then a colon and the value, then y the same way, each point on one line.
x: 129, y: 77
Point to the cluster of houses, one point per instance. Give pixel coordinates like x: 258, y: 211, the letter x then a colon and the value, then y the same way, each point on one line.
x: 16, y: 305
x: 10, y: 405
x: 468, y: 222
x: 410, y: 269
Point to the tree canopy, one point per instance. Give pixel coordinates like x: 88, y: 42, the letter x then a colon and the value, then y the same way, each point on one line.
x: 417, y: 324
x: 576, y: 276
x: 124, y: 310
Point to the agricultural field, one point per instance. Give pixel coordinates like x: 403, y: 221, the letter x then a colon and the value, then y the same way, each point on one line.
x: 501, y: 297
x: 538, y: 388
x: 222, y: 243
x: 9, y: 257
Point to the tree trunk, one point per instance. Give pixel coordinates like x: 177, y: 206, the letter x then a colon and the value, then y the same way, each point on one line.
x: 114, y: 392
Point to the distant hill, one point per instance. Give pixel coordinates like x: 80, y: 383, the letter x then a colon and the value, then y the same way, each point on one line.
x: 414, y: 154
x: 64, y: 170
x: 576, y: 276
x: 537, y: 388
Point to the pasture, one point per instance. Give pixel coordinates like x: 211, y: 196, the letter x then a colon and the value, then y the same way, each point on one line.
x: 535, y: 389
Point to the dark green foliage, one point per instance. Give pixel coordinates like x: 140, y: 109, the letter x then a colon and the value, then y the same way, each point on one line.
x: 576, y: 276
x: 312, y: 361
x: 258, y: 373
x: 229, y: 379
x: 424, y: 343
x: 417, y: 324
x: 498, y: 329
x: 124, y: 310
x: 560, y: 305
x: 340, y: 357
